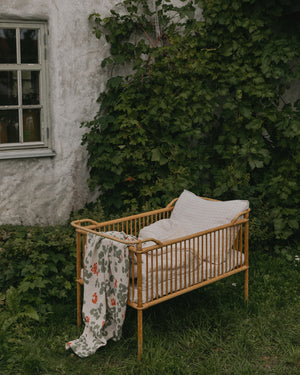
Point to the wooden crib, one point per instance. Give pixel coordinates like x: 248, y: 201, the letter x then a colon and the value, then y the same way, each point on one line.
x: 160, y: 270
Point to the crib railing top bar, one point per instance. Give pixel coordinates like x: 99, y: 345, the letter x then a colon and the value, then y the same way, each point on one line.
x: 85, y: 229
x: 96, y: 224
x: 90, y: 229
x: 243, y: 213
x: 188, y: 237
x: 82, y: 222
x: 81, y: 229
x: 171, y: 203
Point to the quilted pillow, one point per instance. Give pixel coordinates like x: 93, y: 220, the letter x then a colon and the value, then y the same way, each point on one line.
x: 200, y: 214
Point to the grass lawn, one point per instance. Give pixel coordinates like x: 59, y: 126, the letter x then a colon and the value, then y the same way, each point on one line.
x: 209, y: 331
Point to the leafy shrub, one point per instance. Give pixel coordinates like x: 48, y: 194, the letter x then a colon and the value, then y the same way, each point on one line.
x: 39, y: 264
x: 14, y: 312
x: 38, y: 267
x: 202, y: 108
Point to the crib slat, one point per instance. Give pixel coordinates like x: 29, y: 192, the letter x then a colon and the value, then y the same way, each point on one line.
x: 203, y: 272
x: 223, y: 251
x: 181, y: 266
x: 228, y: 245
x: 235, y: 253
x: 176, y: 266
x: 194, y: 256
x: 132, y: 272
x: 210, y: 255
x: 191, y: 261
x: 156, y: 253
x: 241, y: 244
x: 167, y: 267
x: 236, y: 247
x: 198, y: 260
x: 185, y: 276
x: 171, y: 269
x: 147, y: 276
x: 220, y: 260
x: 152, y: 291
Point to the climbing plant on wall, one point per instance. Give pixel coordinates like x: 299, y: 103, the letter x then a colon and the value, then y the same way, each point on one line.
x: 201, y: 107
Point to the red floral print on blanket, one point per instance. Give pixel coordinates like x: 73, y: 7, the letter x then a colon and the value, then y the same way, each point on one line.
x: 94, y: 269
x: 95, y: 298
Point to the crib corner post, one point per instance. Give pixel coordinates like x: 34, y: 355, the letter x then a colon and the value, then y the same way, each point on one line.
x: 247, y: 257
x: 140, y: 334
x: 246, y: 284
x: 78, y: 272
x: 78, y: 304
x: 139, y: 300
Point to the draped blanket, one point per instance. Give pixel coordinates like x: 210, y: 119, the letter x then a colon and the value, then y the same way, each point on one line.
x: 105, y: 292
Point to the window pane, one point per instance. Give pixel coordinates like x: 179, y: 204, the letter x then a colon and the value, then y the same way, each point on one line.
x: 9, y: 126
x: 29, y: 46
x: 8, y: 88
x: 30, y: 87
x: 31, y: 125
x: 8, y: 50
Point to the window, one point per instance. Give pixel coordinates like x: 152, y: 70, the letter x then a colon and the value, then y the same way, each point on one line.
x: 24, y: 128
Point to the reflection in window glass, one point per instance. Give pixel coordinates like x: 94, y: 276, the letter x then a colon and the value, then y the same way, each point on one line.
x: 9, y: 126
x: 8, y: 50
x: 23, y: 84
x: 30, y: 87
x: 31, y: 125
x: 29, y: 46
x: 8, y: 88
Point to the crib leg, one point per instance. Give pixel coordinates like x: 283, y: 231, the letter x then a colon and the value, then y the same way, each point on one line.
x: 140, y: 333
x: 78, y: 304
x: 246, y: 284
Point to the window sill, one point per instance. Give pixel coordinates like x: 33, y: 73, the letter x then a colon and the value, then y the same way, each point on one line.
x: 24, y: 154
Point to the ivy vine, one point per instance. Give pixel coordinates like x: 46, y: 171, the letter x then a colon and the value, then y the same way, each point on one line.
x: 198, y: 103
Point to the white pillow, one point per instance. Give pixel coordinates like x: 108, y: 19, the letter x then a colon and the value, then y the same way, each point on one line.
x: 163, y: 230
x: 168, y: 229
x: 201, y: 214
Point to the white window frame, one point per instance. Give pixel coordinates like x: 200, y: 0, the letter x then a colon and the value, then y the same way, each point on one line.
x: 29, y: 149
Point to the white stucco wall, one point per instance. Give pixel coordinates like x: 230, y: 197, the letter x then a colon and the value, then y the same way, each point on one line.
x: 46, y: 190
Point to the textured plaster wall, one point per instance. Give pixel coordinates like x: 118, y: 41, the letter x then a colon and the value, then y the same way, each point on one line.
x: 46, y: 190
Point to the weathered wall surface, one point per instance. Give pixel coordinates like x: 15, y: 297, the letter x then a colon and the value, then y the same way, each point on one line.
x: 45, y: 190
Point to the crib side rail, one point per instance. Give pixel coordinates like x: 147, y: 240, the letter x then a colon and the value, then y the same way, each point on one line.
x: 130, y: 224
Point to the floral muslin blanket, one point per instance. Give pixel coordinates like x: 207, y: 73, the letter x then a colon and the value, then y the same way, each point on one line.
x: 106, y: 268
